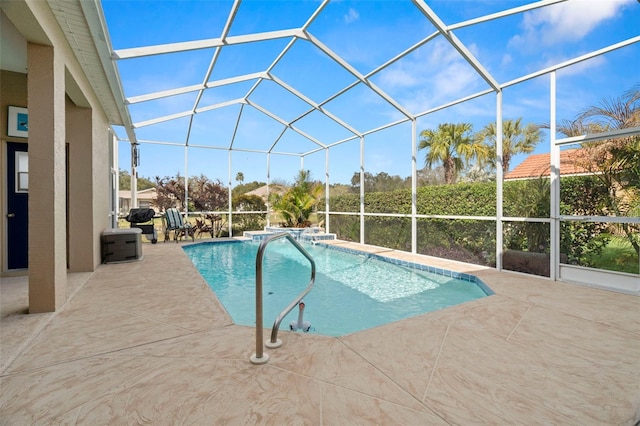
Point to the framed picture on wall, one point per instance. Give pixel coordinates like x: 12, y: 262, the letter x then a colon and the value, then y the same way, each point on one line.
x: 18, y: 122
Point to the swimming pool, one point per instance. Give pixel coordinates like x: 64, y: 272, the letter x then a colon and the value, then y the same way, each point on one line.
x: 352, y: 291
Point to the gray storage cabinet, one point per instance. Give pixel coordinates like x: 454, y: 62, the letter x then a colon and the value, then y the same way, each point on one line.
x: 121, y: 245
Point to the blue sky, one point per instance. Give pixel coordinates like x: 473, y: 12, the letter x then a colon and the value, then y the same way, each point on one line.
x: 365, y: 34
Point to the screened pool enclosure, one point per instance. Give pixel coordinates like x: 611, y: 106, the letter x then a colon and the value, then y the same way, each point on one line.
x: 447, y: 102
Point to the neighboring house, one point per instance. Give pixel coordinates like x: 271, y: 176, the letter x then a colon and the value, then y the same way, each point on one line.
x: 145, y: 199
x: 537, y: 165
x: 262, y: 191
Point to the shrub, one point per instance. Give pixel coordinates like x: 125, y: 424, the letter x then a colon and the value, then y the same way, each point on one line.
x: 248, y: 221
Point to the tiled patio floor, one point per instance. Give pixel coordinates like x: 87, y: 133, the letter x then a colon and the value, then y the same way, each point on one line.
x: 148, y: 342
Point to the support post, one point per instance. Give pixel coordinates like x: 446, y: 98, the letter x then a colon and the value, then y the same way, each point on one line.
x: 414, y: 186
x: 361, y: 189
x: 47, y: 176
x: 499, y: 182
x: 554, y: 258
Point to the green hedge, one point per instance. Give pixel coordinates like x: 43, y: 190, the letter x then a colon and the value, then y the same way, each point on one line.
x: 472, y: 240
x: 465, y: 199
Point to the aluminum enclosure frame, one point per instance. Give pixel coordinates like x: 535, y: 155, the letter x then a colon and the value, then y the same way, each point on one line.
x: 303, y: 35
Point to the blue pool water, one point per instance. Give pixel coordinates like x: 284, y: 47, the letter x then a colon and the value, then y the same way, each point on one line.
x: 351, y: 293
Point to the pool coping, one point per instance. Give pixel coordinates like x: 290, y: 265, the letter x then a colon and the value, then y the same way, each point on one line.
x: 413, y: 265
x: 394, y: 261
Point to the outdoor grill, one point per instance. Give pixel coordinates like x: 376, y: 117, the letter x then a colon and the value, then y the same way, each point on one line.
x: 139, y: 218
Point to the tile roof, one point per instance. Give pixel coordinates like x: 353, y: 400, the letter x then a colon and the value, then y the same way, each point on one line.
x: 262, y: 191
x: 539, y: 164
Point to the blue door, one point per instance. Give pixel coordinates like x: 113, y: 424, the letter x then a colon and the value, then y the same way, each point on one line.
x: 17, y: 205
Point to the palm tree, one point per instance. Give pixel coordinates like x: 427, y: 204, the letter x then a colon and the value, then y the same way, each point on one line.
x: 240, y: 177
x: 619, y: 166
x: 616, y: 113
x: 576, y: 127
x: 296, y: 205
x: 515, y: 140
x: 453, y: 146
x: 613, y: 161
x: 627, y: 161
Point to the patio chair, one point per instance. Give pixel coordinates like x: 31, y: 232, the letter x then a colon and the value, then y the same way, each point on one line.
x: 173, y: 221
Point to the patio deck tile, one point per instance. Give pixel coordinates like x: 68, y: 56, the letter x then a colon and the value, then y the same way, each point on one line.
x: 148, y: 341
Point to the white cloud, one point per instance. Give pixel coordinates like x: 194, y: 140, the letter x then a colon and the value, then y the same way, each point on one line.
x: 430, y: 77
x: 351, y: 16
x: 398, y: 77
x: 567, y: 21
x: 506, y: 60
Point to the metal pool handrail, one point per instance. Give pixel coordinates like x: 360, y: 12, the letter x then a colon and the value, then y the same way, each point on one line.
x: 260, y: 357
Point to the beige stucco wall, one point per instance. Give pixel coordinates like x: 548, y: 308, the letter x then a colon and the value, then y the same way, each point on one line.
x: 70, y: 117
x: 13, y: 91
x: 89, y: 174
x: 88, y: 185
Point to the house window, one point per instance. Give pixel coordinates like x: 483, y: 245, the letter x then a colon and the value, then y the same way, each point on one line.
x: 22, y: 172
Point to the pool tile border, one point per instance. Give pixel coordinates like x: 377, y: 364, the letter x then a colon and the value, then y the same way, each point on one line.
x: 405, y: 263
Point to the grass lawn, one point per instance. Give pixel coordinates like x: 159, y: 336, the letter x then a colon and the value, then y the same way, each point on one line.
x: 618, y: 255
